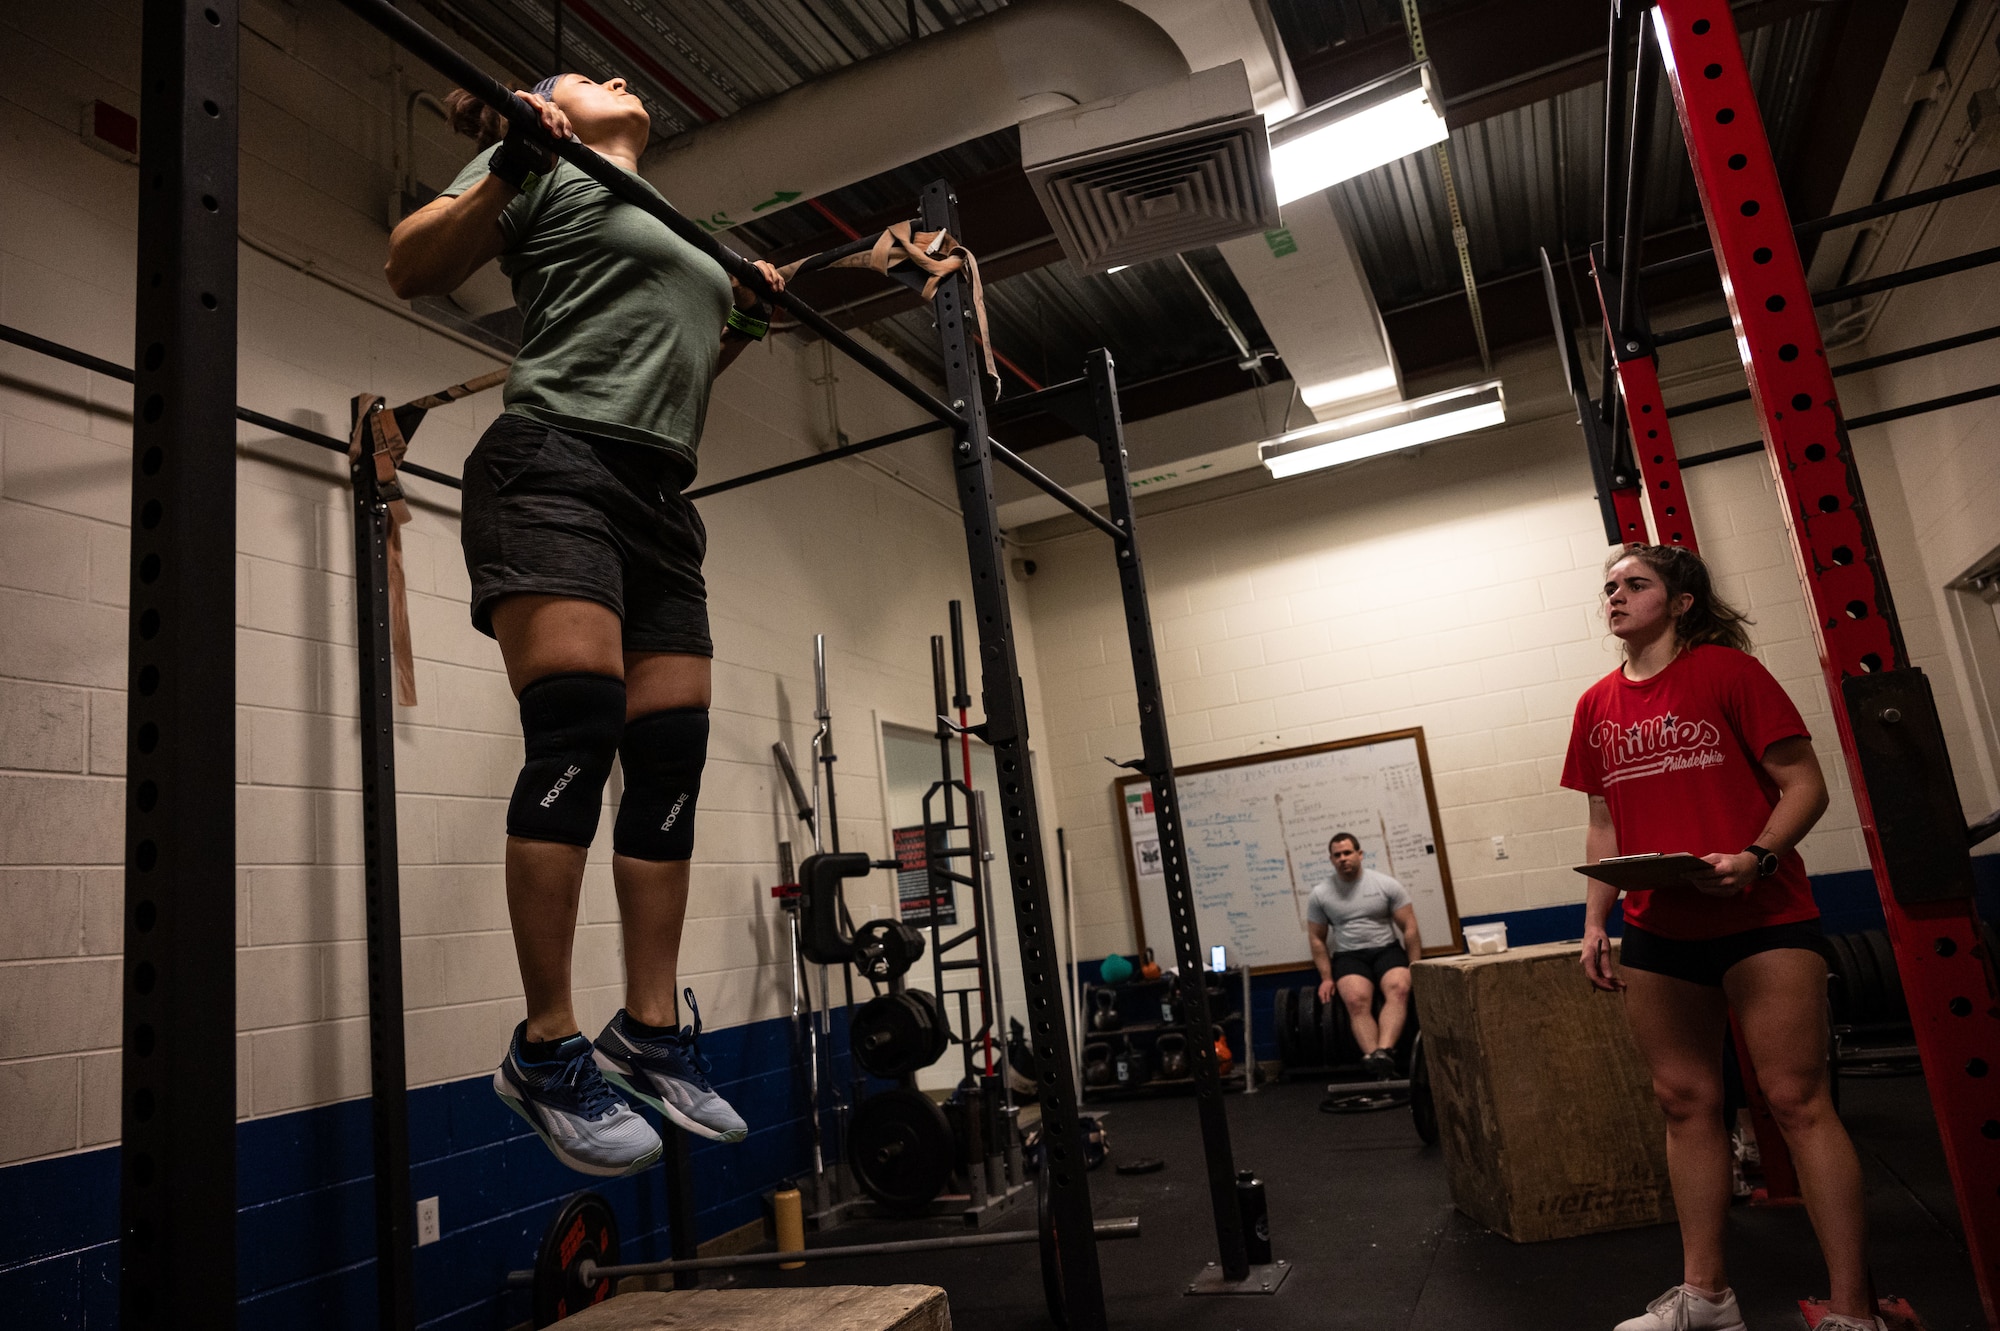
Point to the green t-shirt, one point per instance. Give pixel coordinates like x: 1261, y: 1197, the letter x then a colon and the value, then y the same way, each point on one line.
x: 622, y: 319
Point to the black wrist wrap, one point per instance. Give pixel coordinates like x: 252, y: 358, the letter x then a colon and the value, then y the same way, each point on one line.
x: 517, y: 161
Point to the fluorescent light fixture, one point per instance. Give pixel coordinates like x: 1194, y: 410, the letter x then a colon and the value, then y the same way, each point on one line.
x: 1116, y: 268
x: 1385, y: 429
x: 1348, y: 386
x: 1357, y: 131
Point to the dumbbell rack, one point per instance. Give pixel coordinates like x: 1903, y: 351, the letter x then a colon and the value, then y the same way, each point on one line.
x: 1156, y: 995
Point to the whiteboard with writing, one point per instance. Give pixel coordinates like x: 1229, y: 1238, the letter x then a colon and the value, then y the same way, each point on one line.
x: 1257, y: 831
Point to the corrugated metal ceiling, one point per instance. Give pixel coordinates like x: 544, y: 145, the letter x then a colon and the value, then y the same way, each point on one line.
x: 1529, y: 177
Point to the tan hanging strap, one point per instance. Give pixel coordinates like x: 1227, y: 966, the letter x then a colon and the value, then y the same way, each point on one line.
x: 935, y: 254
x: 377, y: 434
x: 383, y: 433
x: 446, y: 396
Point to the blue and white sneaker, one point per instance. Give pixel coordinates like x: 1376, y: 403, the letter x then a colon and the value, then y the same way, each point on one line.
x: 671, y: 1075
x: 567, y: 1103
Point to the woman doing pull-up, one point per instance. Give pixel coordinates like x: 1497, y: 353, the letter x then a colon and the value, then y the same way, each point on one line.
x: 585, y: 562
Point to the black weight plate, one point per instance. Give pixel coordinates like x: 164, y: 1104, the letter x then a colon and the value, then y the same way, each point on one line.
x: 940, y: 1029
x: 1337, y: 1035
x: 585, y: 1228
x: 885, y: 949
x: 901, y: 1149
x: 1053, y: 1289
x: 1840, y: 987
x: 1306, y: 1023
x: 1868, y: 1004
x: 1284, y: 1009
x: 1894, y: 1006
x: 889, y: 1037
x: 1850, y: 975
x: 1423, y: 1105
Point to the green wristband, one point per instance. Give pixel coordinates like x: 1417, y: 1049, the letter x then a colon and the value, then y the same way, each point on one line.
x: 747, y: 324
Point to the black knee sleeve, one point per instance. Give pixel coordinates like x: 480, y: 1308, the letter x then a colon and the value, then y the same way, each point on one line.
x: 571, y: 724
x: 663, y: 754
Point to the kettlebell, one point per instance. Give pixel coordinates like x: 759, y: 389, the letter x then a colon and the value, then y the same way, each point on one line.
x: 1149, y: 969
x: 1105, y: 1018
x: 1131, y: 1067
x: 1115, y: 969
x: 1172, y: 1050
x: 1097, y: 1065
x: 1225, y: 1061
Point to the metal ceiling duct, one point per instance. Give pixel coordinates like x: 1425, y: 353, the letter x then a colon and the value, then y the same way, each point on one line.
x: 1031, y: 57
x: 1155, y: 172
x: 1317, y: 309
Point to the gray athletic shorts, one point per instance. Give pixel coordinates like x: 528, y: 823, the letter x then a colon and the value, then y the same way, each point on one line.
x: 560, y: 514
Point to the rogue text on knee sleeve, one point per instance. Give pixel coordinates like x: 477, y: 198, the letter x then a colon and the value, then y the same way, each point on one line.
x: 571, y: 724
x: 663, y: 754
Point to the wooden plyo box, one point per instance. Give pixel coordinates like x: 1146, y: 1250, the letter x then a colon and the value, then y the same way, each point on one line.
x: 807, y: 1308
x: 1545, y: 1108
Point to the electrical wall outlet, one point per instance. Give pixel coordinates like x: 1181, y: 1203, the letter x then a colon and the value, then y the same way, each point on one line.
x: 1499, y: 848
x: 427, y: 1221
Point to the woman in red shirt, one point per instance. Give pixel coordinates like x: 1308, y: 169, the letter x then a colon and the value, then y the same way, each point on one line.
x: 1692, y: 746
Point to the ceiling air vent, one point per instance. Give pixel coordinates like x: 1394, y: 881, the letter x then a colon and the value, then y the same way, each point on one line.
x: 1166, y: 169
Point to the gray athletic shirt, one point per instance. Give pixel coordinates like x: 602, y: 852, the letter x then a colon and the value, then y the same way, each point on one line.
x: 1357, y: 914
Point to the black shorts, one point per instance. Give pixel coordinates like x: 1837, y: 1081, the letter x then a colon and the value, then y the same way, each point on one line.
x: 559, y: 514
x: 1374, y: 962
x: 1705, y: 961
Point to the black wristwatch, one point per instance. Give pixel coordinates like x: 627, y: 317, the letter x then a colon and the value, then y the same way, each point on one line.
x: 1767, y: 861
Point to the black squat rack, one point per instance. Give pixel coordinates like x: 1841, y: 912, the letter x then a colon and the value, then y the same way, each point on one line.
x: 178, y: 1195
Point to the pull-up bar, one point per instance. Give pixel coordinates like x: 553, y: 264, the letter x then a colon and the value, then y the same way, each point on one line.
x: 420, y: 42
x: 110, y: 369
x: 1857, y: 423
x: 1834, y: 221
x: 1852, y: 367
x: 1001, y: 454
x: 1867, y: 286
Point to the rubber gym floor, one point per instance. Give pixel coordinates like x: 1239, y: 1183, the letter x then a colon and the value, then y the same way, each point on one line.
x: 1362, y: 1211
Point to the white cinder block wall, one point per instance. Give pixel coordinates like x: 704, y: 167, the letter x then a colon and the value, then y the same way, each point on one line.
x: 1948, y: 463
x: 867, y: 554
x: 1455, y: 590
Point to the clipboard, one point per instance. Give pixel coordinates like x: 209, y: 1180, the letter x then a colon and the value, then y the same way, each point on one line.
x: 1642, y: 873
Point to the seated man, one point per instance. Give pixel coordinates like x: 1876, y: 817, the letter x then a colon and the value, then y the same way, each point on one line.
x: 1358, y: 906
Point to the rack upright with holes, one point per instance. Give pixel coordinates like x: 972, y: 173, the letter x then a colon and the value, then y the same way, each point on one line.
x: 1889, y: 730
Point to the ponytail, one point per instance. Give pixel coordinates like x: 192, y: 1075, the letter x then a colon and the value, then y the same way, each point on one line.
x: 474, y: 118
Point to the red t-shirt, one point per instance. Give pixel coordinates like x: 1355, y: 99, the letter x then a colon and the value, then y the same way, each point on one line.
x: 1677, y: 758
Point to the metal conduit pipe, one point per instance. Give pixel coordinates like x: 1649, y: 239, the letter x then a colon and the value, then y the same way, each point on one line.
x: 1032, y: 57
